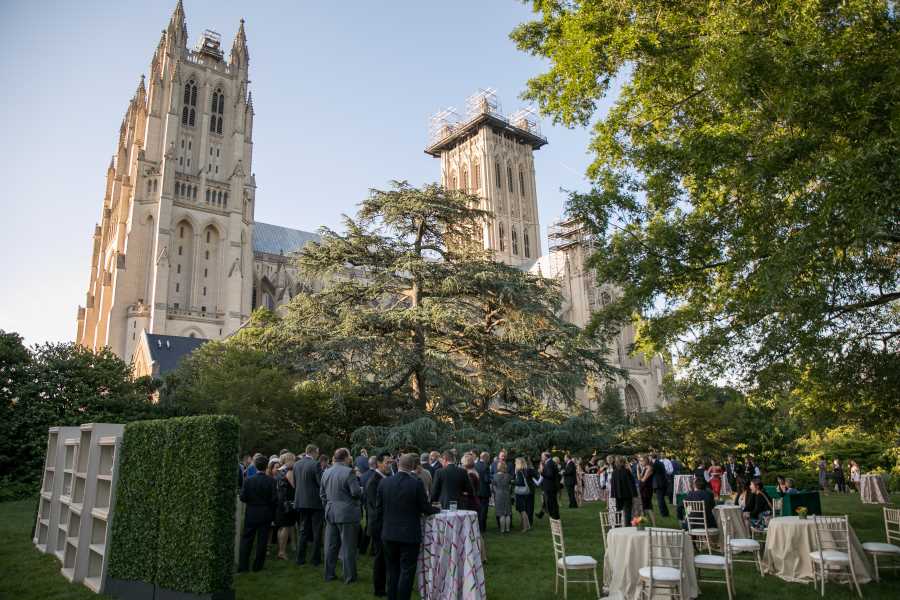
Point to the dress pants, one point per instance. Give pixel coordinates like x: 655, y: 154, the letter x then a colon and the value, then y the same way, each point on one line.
x: 484, y: 503
x: 401, y: 569
x: 341, y: 539
x: 551, y: 504
x: 661, y: 502
x: 260, y: 531
x: 379, y: 569
x: 573, y: 502
x: 310, y: 521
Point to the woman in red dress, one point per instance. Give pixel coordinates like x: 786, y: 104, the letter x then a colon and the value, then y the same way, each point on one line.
x: 715, y: 473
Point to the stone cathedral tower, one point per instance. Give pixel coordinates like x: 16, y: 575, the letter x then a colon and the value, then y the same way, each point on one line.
x: 491, y: 156
x: 173, y: 252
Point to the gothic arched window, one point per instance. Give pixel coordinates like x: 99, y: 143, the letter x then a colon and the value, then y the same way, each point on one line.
x: 509, y: 179
x: 464, y: 180
x: 632, y: 401
x: 497, y: 176
x: 189, y: 112
x: 476, y: 176
x: 521, y: 184
x: 453, y: 181
x: 526, y: 243
x: 515, y: 241
x: 216, y: 110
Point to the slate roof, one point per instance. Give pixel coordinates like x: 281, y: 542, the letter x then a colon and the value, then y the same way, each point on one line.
x: 168, y: 350
x: 274, y: 239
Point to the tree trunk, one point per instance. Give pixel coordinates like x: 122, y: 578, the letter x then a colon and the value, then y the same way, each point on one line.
x: 419, y: 393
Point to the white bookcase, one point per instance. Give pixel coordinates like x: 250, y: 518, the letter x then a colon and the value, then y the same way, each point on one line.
x: 78, y: 498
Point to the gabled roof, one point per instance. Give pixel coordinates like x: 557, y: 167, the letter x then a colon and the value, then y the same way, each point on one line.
x: 168, y: 350
x: 274, y: 239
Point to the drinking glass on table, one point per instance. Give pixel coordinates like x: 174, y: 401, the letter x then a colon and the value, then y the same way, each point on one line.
x: 452, y: 506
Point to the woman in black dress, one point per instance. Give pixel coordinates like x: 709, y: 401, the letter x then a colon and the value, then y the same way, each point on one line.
x: 285, y: 516
x: 524, y: 490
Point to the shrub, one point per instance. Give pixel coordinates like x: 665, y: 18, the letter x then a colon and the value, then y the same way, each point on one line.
x: 174, y: 517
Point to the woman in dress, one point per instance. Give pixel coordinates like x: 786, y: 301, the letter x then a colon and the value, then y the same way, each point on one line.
x: 758, y: 505
x: 823, y: 473
x: 854, y: 475
x: 715, y: 473
x: 468, y: 500
x: 285, y: 517
x: 645, y: 484
x: 500, y: 486
x: 524, y: 490
x: 579, y: 482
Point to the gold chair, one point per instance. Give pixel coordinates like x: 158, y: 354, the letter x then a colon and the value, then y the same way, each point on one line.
x: 833, y: 555
x: 891, y: 548
x: 609, y: 520
x: 698, y: 526
x: 564, y: 564
x: 716, y: 562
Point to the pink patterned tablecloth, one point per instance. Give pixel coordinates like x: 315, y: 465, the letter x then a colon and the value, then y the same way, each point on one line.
x: 592, y: 491
x: 450, y: 561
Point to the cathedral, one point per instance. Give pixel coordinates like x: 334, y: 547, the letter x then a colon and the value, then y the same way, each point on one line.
x: 178, y: 257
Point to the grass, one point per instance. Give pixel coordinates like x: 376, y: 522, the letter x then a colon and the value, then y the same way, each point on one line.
x: 520, y: 565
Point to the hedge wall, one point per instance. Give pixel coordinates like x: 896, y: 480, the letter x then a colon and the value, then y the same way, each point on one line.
x: 174, y: 518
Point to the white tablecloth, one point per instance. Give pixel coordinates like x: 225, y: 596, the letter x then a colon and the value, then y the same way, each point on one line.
x: 737, y: 526
x: 683, y: 484
x: 592, y: 491
x: 872, y: 489
x: 789, y: 540
x: 627, y: 550
x: 450, y: 565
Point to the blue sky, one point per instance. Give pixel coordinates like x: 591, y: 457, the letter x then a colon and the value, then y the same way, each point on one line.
x: 342, y: 93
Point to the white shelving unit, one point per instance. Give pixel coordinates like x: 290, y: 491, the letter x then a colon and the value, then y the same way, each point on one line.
x: 78, y: 499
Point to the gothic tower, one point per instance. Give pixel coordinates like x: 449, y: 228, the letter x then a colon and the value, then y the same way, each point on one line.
x: 173, y: 251
x: 491, y: 156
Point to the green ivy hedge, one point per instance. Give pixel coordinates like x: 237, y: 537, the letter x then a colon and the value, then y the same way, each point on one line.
x: 174, y: 518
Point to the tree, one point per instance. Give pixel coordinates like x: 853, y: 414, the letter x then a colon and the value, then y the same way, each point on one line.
x: 416, y: 310
x: 745, y: 179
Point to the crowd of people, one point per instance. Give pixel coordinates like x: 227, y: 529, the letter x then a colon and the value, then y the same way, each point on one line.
x: 340, y: 507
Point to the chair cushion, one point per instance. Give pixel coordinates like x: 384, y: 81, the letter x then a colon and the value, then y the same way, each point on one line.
x: 830, y: 556
x: 709, y: 530
x: 661, y: 573
x: 881, y: 548
x: 709, y: 560
x: 743, y: 544
x: 577, y: 561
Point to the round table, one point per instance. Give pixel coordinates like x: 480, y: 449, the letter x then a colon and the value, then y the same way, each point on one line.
x: 627, y: 550
x: 732, y: 513
x: 591, y: 483
x: 789, y: 541
x: 450, y: 565
x: 683, y: 484
x: 872, y: 489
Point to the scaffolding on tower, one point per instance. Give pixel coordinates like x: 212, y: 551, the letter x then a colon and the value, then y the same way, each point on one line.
x: 442, y: 124
x: 483, y: 102
x: 526, y: 119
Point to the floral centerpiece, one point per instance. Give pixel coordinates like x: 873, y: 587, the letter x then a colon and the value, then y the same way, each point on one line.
x: 802, y: 511
x: 640, y: 522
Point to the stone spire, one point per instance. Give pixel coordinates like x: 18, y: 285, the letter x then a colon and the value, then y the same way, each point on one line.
x: 239, y: 54
x: 177, y: 30
x: 141, y: 92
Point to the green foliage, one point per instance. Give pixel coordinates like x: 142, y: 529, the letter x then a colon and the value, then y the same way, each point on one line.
x: 174, y: 518
x: 415, y: 311
x: 745, y: 183
x: 58, y: 384
x: 871, y: 452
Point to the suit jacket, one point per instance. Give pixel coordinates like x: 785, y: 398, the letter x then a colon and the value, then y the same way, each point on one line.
x: 340, y: 494
x: 621, y: 485
x: 570, y: 473
x: 659, y: 475
x: 484, y: 479
x: 449, y: 484
x: 433, y: 467
x: 709, y: 503
x: 307, y: 480
x: 259, y: 494
x: 373, y: 524
x: 399, y: 503
x: 550, y: 474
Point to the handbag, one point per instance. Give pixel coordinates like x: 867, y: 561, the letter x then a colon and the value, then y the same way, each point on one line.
x: 522, y: 490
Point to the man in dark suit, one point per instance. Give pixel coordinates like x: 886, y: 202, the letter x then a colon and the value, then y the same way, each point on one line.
x: 660, y: 484
x: 373, y: 524
x: 450, y: 481
x: 434, y: 463
x: 570, y: 478
x: 399, y: 504
x: 258, y: 493
x: 550, y: 486
x: 733, y: 471
x: 483, y: 468
x: 307, y: 481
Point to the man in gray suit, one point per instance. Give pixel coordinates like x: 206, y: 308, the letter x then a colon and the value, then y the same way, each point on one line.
x: 308, y: 504
x: 341, y: 494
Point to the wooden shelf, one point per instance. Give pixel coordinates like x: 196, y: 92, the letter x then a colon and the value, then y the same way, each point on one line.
x: 101, y: 513
x: 76, y: 508
x: 98, y: 549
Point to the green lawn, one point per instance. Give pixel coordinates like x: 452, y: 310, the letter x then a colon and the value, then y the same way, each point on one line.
x: 520, y: 566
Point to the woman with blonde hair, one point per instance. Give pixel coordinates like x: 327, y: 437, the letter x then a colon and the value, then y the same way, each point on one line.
x: 500, y: 485
x: 524, y: 490
x: 285, y: 516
